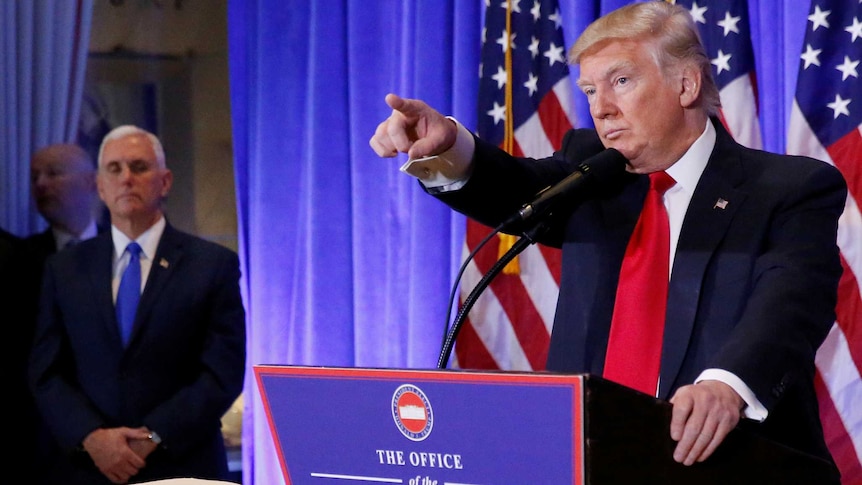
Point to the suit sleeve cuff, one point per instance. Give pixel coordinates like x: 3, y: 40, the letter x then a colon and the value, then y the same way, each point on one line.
x: 457, y: 164
x: 754, y: 409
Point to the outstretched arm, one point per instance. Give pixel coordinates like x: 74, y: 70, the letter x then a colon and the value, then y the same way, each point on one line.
x: 413, y: 128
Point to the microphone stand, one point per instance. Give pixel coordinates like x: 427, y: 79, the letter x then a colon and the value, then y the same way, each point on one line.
x: 529, y: 237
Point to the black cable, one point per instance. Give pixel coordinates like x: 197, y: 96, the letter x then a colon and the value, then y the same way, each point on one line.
x: 528, y: 238
x: 461, y: 274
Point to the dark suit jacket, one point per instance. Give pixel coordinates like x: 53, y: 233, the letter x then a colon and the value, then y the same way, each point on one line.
x: 35, y: 249
x: 182, y: 370
x: 18, y: 298
x: 753, y: 286
x: 41, y: 245
x: 16, y: 336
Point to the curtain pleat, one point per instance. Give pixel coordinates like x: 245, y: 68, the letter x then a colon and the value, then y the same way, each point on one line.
x: 44, y: 46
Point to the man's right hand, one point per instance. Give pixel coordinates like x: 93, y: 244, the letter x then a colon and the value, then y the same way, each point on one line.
x: 413, y: 128
x: 109, y: 448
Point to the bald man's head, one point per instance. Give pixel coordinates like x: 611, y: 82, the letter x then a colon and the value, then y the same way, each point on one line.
x: 63, y: 183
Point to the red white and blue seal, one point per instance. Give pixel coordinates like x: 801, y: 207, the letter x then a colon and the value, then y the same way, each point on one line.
x: 412, y: 412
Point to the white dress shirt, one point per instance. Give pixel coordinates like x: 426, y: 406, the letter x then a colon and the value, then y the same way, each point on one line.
x: 148, y: 241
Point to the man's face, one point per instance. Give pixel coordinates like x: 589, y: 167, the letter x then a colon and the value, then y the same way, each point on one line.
x: 130, y: 181
x: 62, y: 184
x: 634, y: 107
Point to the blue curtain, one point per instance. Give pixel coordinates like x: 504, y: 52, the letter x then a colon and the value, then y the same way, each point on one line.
x: 346, y: 261
x: 44, y: 47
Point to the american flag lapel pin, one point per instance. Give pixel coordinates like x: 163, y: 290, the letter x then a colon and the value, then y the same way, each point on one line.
x: 720, y: 204
x: 164, y: 263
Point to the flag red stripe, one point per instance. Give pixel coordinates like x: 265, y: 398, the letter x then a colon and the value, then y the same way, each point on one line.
x: 849, y: 313
x: 837, y: 439
x: 516, y: 149
x: 555, y: 123
x: 471, y: 351
x: 527, y: 323
x: 554, y: 258
x: 724, y: 121
x: 752, y: 79
x: 846, y: 153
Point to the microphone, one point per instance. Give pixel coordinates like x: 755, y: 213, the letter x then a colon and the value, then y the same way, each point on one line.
x: 600, y: 168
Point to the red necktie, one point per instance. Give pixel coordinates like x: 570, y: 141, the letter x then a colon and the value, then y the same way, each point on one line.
x: 634, y: 346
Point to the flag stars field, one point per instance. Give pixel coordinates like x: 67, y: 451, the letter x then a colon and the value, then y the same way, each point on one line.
x: 722, y: 62
x: 811, y: 56
x: 855, y: 29
x: 848, y: 68
x: 729, y: 23
x: 697, y: 13
x: 818, y: 18
x: 839, y: 106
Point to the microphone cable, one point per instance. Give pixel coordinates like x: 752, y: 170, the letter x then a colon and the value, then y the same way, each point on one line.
x: 457, y: 282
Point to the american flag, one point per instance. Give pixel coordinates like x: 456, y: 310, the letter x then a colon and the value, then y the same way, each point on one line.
x: 525, y: 107
x: 724, y: 30
x: 825, y: 123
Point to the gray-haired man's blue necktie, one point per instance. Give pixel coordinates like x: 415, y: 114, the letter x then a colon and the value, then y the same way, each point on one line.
x: 129, y: 292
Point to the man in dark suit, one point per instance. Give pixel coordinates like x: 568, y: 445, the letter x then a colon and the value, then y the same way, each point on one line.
x: 10, y: 276
x: 8, y: 243
x: 15, y: 343
x: 754, y: 264
x: 63, y: 185
x: 149, y: 408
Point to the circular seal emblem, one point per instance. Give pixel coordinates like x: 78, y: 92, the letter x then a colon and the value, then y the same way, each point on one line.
x: 412, y: 412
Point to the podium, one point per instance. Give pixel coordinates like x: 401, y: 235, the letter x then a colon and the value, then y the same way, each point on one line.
x: 434, y: 427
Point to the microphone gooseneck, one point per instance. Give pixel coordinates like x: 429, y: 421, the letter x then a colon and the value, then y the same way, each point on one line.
x: 598, y: 169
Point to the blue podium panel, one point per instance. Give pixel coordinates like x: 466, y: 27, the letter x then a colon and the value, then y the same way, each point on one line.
x: 435, y: 427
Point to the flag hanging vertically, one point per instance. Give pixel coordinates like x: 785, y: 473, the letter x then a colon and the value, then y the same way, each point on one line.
x: 525, y: 107
x: 825, y: 123
x: 725, y: 32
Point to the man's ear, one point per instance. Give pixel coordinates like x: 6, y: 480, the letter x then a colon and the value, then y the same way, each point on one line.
x: 167, y: 182
x: 100, y: 189
x: 690, y: 88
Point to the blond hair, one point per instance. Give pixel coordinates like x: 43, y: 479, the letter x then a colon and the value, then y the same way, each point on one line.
x: 668, y: 28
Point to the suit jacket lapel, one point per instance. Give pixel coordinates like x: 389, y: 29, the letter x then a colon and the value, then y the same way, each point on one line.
x: 712, y: 208
x: 100, y: 276
x: 168, y: 255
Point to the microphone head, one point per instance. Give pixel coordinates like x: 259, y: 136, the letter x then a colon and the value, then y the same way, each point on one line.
x: 604, y: 166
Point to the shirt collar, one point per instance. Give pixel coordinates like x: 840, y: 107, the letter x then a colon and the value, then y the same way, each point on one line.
x: 688, y: 169
x: 62, y: 237
x: 148, y: 241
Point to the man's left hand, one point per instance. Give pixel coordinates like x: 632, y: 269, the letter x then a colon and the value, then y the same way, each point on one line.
x: 703, y: 415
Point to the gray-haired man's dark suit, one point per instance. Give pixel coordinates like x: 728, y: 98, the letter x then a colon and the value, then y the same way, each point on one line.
x: 181, y: 371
